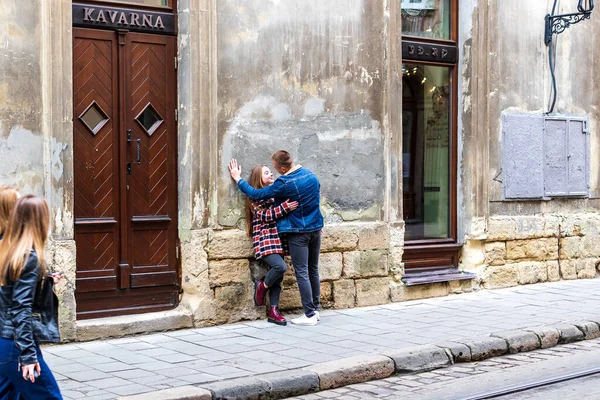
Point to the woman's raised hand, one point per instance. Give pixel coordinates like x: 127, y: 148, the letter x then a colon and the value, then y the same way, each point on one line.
x: 235, y: 170
x: 292, y: 205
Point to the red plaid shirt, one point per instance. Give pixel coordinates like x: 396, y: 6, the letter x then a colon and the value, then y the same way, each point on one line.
x: 265, y: 237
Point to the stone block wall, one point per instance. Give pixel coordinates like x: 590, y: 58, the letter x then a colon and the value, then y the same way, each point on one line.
x: 519, y: 250
x: 360, y: 264
x: 219, y: 269
x: 353, y: 266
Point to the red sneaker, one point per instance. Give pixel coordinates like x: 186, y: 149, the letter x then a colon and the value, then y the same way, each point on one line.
x: 275, y: 317
x: 259, y: 293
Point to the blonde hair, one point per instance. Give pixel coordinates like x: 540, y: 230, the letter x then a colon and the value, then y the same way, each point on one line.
x: 8, y: 198
x: 27, y: 229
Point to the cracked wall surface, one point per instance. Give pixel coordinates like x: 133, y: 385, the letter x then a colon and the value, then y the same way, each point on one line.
x: 307, y: 77
x: 20, y: 97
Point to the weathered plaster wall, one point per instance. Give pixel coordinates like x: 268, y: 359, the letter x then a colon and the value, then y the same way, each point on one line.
x: 308, y: 77
x: 519, y: 242
x: 20, y: 96
x: 35, y: 123
x: 195, y: 82
x: 57, y: 129
x: 197, y: 155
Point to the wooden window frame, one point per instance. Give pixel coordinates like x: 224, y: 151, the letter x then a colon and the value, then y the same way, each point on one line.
x: 172, y: 5
x: 440, y: 256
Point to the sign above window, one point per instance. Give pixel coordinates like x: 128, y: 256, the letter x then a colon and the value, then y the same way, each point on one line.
x: 418, y: 51
x: 89, y: 16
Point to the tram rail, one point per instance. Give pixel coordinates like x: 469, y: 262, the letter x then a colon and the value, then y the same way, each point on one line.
x: 523, y: 387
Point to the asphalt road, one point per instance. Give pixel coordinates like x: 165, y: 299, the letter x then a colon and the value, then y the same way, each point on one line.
x: 469, y: 380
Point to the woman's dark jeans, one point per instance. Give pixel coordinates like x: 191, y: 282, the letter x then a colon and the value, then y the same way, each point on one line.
x: 277, y: 268
x: 304, y: 250
x: 11, y: 378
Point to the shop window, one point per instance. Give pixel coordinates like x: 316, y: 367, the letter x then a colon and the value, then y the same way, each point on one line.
x: 429, y: 154
x: 426, y: 153
x: 426, y: 18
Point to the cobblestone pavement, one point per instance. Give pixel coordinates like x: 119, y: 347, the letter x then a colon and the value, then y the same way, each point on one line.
x: 111, y: 368
x: 410, y: 386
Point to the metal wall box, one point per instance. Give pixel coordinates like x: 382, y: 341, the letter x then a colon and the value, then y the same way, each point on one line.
x: 545, y: 156
x: 522, y: 156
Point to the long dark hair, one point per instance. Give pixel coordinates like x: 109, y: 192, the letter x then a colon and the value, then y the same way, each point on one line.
x: 255, y: 181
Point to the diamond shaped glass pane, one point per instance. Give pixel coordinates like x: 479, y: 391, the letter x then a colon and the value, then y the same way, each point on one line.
x: 149, y: 119
x: 94, y: 118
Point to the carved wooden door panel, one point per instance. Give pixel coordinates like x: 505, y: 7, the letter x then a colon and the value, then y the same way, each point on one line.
x: 96, y: 163
x: 125, y: 172
x: 151, y: 184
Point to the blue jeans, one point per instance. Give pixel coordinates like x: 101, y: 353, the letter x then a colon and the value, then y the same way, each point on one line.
x: 277, y: 268
x: 11, y: 378
x: 304, y: 250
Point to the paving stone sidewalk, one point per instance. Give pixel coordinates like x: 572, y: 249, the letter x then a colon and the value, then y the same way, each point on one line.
x: 113, y: 368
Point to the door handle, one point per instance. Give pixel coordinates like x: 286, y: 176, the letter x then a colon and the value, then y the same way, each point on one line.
x: 138, y: 161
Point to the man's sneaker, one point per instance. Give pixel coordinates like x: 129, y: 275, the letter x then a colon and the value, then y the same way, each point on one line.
x: 304, y: 320
x: 318, y: 314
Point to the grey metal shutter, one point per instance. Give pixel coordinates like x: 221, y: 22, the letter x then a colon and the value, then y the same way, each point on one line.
x: 545, y: 156
x: 579, y: 158
x: 522, y: 155
x: 566, y: 156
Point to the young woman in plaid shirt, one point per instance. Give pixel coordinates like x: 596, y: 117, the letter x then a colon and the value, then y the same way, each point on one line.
x: 261, y: 217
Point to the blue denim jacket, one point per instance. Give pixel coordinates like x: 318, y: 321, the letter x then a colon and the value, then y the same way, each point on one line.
x: 300, y: 185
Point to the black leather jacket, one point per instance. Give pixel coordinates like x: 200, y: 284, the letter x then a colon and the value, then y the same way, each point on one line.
x: 29, y: 311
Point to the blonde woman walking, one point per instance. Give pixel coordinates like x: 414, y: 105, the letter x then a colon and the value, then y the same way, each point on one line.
x: 28, y: 306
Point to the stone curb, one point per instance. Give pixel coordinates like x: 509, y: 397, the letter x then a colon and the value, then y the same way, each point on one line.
x: 271, y: 386
x: 420, y: 358
x: 351, y: 370
x: 365, y: 368
x: 519, y: 341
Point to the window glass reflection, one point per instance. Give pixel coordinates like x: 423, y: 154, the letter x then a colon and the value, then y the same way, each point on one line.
x: 426, y: 18
x: 426, y: 151
x: 162, y: 3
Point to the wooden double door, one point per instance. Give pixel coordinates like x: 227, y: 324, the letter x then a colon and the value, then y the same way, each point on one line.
x: 125, y: 167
